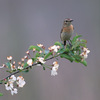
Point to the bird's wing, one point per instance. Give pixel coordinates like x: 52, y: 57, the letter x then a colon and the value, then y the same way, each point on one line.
x: 61, y: 32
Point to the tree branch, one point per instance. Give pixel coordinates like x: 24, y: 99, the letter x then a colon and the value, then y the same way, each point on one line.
x: 18, y: 71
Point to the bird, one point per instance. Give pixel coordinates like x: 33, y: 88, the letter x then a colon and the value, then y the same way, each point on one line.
x: 66, y: 31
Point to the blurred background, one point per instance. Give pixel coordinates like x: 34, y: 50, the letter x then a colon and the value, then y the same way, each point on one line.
x: 28, y: 22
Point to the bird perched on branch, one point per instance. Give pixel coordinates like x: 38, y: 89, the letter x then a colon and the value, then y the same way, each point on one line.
x: 66, y: 31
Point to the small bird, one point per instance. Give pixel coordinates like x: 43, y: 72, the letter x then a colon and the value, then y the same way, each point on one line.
x: 66, y: 31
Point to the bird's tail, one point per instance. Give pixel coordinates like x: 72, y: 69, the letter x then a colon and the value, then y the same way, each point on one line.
x: 64, y: 43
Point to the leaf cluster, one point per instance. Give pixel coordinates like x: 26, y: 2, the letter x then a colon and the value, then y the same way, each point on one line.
x: 72, y: 53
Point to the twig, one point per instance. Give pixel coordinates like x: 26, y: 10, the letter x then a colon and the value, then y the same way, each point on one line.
x: 18, y: 71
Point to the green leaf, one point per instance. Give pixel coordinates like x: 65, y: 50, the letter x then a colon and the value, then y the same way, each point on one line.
x: 34, y: 59
x: 37, y: 54
x: 25, y: 71
x: 71, y: 52
x: 59, y: 43
x: 1, y: 94
x: 43, y: 68
x: 47, y: 55
x: 35, y: 47
x: 83, y: 40
x: 84, y: 63
x: 67, y: 49
x: 62, y: 50
x: 82, y: 44
x: 67, y: 57
x: 75, y: 38
x: 9, y: 71
x: 25, y: 65
x: 75, y: 44
x: 77, y: 61
x: 77, y: 58
x: 8, y: 65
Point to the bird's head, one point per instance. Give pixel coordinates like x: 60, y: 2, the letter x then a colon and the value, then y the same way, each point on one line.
x: 67, y: 21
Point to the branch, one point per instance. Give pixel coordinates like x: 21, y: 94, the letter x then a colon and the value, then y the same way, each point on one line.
x: 76, y: 52
x: 18, y: 71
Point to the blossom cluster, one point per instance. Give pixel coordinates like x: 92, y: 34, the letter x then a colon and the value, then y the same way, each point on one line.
x: 85, y: 52
x: 10, y: 83
x: 29, y: 61
x: 41, y: 60
x: 26, y: 62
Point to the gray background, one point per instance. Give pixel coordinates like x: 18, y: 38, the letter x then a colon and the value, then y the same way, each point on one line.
x: 28, y: 22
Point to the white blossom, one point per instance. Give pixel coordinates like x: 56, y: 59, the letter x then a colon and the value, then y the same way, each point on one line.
x: 9, y: 58
x: 27, y: 52
x: 25, y: 57
x: 54, y: 48
x: 86, y: 50
x: 9, y: 86
x: 34, y: 49
x: 13, y: 91
x: 41, y: 60
x: 54, y: 68
x: 12, y: 79
x: 30, y: 62
x: 3, y: 65
x: 54, y: 71
x: 20, y: 67
x: 40, y: 45
x: 20, y: 81
x: 14, y: 62
x: 40, y: 51
x: 22, y: 59
x: 55, y: 64
x: 84, y: 55
x: 13, y: 67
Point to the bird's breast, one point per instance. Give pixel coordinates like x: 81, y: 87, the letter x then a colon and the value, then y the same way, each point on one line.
x: 68, y: 29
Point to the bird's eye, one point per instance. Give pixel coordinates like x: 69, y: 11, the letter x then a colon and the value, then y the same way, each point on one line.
x: 66, y: 21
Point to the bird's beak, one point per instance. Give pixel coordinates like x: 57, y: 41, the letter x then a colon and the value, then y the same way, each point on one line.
x: 71, y: 20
